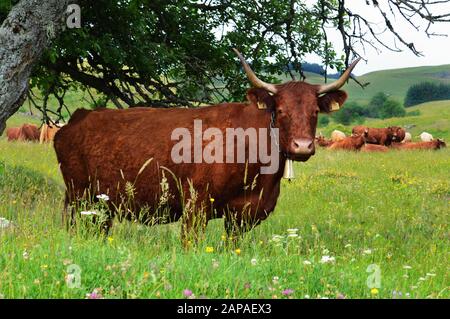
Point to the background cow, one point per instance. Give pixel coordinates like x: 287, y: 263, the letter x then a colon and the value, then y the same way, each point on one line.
x: 48, y: 132
x: 426, y: 137
x: 381, y: 136
x: 322, y: 141
x: 374, y: 148
x: 26, y: 132
x: 432, y: 145
x: 106, y: 151
x: 350, y: 143
x: 408, y: 137
x: 337, y: 136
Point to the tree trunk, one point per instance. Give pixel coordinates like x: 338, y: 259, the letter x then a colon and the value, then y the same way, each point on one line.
x: 24, y: 35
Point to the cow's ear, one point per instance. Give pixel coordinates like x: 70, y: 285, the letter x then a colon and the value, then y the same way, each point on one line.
x: 261, y: 99
x: 332, y: 101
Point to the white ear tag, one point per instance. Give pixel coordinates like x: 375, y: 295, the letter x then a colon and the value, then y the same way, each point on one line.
x: 335, y: 106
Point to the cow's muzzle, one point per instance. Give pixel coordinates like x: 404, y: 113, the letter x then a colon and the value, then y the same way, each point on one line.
x: 301, y: 149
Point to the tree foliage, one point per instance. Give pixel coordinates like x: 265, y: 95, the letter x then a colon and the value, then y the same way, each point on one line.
x: 425, y: 92
x: 178, y: 52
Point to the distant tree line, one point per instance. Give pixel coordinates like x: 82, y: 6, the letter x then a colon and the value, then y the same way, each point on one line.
x: 425, y: 92
x: 380, y: 106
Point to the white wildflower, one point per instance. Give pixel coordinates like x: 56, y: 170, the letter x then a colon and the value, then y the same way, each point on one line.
x: 253, y: 261
x: 307, y: 297
x: 88, y: 212
x: 407, y: 267
x: 327, y: 259
x: 103, y: 197
x: 430, y: 274
x: 4, y: 223
x: 307, y: 262
x: 348, y: 246
x: 292, y: 230
x: 367, y: 251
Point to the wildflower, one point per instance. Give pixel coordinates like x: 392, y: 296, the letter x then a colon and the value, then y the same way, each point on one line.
x: 43, y: 267
x: 103, y: 197
x: 374, y: 291
x: 146, y: 274
x: 89, y: 212
x: 211, y: 200
x: 293, y: 235
x: 237, y: 251
x: 287, y: 292
x: 223, y: 237
x: 307, y: 297
x: 307, y: 262
x: 327, y: 259
x: 348, y: 246
x: 187, y: 293
x: 247, y: 285
x: 396, y: 294
x: 292, y: 230
x: 110, y: 240
x: 253, y: 261
x: 215, y: 263
x: 430, y: 274
x: 4, y: 223
x: 209, y: 249
x: 25, y: 254
x: 407, y: 267
x: 367, y: 251
x: 95, y: 294
x: 422, y: 279
x: 275, y: 280
x: 36, y: 281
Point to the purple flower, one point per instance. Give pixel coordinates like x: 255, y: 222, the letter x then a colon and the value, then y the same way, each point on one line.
x: 247, y: 285
x: 287, y: 292
x: 95, y: 294
x: 187, y: 293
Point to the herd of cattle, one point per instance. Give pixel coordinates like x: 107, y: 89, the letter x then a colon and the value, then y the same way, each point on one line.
x: 369, y: 139
x: 30, y: 132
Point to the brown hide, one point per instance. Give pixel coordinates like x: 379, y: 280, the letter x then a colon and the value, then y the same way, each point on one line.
x: 350, y: 143
x: 433, y: 145
x: 374, y: 148
x: 323, y: 142
x: 48, y: 133
x: 27, y: 132
x: 97, y: 147
x: 380, y: 136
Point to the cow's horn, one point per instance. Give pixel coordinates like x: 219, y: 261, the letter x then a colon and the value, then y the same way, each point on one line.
x: 336, y: 85
x: 252, y: 76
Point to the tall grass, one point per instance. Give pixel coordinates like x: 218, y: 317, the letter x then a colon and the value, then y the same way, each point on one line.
x: 391, y: 210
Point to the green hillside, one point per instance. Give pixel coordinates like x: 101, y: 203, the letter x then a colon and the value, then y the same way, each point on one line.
x: 434, y: 118
x: 393, y: 82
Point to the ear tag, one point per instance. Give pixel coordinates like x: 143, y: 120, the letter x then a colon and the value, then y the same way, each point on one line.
x: 261, y: 105
x: 335, y: 106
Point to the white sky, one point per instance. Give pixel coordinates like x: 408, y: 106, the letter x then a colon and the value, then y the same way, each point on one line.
x: 436, y: 50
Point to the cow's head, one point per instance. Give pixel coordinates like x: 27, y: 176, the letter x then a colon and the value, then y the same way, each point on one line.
x: 296, y: 106
x: 398, y: 134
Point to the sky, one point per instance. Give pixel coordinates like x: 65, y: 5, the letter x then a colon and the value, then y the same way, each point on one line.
x: 436, y: 50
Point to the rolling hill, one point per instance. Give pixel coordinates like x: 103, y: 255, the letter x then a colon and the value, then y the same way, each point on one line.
x: 393, y: 82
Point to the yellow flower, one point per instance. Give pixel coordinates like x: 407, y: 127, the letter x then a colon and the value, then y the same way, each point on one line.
x: 209, y: 249
x: 146, y: 274
x: 238, y: 251
x: 211, y: 200
x: 110, y: 240
x: 374, y: 291
x: 224, y: 237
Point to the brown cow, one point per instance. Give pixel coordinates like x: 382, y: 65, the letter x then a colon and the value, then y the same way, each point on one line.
x: 27, y: 132
x: 433, y: 145
x: 322, y: 141
x: 13, y: 133
x: 123, y: 152
x: 48, y: 132
x: 381, y: 136
x: 350, y: 143
x: 374, y: 148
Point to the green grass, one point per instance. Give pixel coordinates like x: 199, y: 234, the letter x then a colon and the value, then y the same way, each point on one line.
x: 390, y: 209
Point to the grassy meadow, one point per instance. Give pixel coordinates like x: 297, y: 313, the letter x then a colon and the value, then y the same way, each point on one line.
x: 362, y: 220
